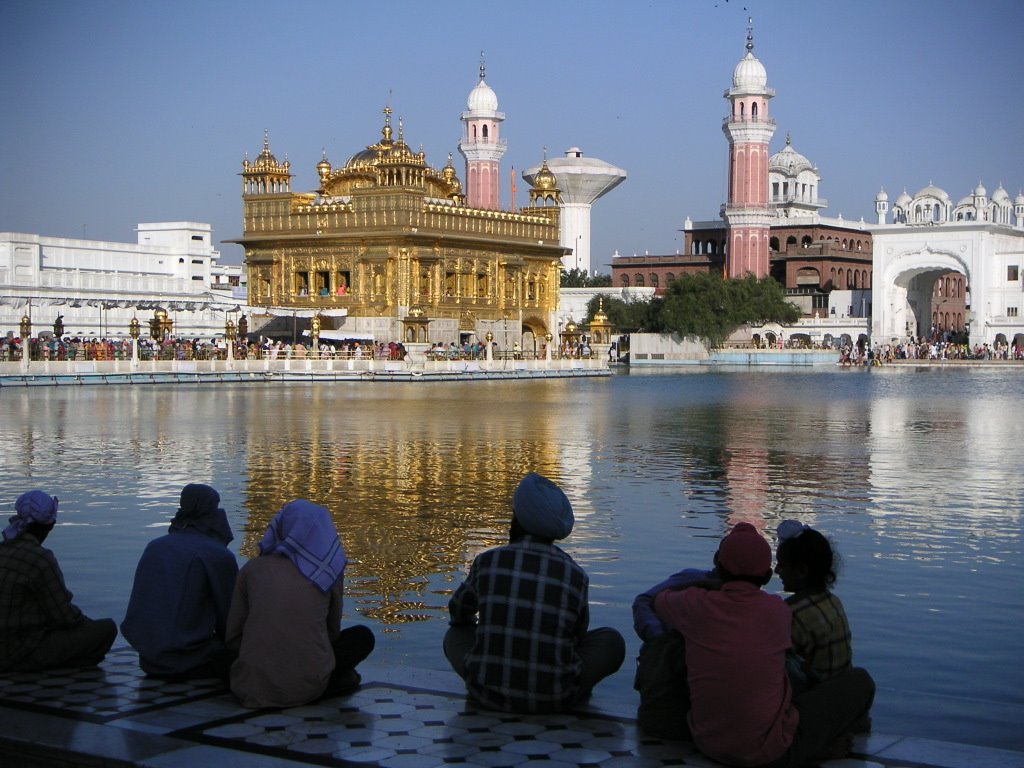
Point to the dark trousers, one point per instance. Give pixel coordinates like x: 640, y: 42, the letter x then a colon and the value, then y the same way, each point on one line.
x: 352, y: 646
x: 602, y: 651
x: 83, y: 645
x: 828, y: 712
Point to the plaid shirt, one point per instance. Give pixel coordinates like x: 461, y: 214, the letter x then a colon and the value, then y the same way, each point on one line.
x: 531, y: 598
x: 33, y: 598
x: 821, y: 633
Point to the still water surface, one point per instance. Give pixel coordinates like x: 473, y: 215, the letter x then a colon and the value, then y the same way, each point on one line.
x: 916, y: 475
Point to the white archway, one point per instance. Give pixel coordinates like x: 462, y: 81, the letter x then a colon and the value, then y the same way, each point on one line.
x: 905, y: 282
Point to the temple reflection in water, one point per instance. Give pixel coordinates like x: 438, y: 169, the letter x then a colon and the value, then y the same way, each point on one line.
x: 408, y: 506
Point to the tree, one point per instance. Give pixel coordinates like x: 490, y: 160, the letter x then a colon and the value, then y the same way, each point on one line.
x: 578, y: 278
x: 710, y: 307
x: 624, y: 316
x: 574, y: 278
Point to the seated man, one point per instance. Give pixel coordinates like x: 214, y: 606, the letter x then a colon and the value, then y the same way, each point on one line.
x: 518, y: 634
x: 178, y: 609
x: 741, y: 707
x: 40, y: 628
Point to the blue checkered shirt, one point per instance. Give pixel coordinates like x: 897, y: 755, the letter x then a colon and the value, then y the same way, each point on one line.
x: 530, y: 601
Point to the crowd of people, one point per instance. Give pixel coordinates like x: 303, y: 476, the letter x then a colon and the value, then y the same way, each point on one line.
x: 927, y: 349
x: 750, y: 678
x: 173, y: 348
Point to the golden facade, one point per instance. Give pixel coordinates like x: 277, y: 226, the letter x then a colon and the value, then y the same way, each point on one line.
x: 386, y: 237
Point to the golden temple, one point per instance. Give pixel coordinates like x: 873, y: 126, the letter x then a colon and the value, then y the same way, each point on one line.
x: 388, y: 248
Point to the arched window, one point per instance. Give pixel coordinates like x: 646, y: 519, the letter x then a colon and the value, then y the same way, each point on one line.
x: 625, y: 281
x: 791, y: 240
x: 638, y: 280
x: 806, y: 241
x: 844, y: 243
x: 654, y: 279
x: 753, y: 111
x: 670, y: 276
x: 774, y: 244
x: 485, y: 132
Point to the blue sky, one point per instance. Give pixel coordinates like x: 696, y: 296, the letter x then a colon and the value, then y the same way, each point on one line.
x: 119, y: 112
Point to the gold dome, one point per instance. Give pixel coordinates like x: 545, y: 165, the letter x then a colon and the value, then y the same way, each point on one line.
x: 545, y: 180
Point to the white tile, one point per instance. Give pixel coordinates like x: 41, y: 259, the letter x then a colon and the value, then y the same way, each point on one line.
x: 530, y: 747
x: 948, y: 755
x: 519, y: 728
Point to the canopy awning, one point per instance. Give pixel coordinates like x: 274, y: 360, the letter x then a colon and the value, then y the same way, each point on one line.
x: 290, y: 312
x: 343, y: 335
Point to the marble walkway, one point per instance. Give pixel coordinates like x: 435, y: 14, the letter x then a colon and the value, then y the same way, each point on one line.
x: 114, y: 716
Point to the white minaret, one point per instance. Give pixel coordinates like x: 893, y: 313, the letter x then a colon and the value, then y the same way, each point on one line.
x: 881, y: 205
x: 581, y: 181
x: 482, y: 145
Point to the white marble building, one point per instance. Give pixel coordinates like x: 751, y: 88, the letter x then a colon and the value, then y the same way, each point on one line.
x: 926, y: 235
x: 98, y: 287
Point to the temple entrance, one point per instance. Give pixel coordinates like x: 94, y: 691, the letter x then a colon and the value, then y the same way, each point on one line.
x: 923, y: 294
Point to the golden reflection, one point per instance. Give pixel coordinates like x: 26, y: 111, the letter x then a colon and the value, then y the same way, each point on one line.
x: 410, y: 505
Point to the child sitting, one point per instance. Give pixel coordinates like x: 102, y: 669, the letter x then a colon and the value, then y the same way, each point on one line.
x: 806, y: 565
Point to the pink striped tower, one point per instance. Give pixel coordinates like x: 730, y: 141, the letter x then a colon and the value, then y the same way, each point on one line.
x: 749, y: 129
x: 482, y: 146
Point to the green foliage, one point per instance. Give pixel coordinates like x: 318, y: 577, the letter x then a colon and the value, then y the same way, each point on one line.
x: 574, y: 278
x: 624, y: 316
x: 578, y: 278
x: 703, y: 305
x: 710, y: 307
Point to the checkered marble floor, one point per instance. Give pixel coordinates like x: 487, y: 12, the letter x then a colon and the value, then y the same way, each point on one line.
x: 397, y: 726
x: 115, y: 689
x: 399, y: 718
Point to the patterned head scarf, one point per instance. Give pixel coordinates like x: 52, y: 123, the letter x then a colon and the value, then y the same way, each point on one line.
x: 198, y: 510
x: 31, y: 507
x: 303, y: 532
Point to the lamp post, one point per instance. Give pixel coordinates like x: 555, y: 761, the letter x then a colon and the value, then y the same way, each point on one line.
x: 547, y: 346
x: 489, y: 337
x: 314, y: 331
x: 26, y: 331
x: 133, y: 331
x: 229, y: 332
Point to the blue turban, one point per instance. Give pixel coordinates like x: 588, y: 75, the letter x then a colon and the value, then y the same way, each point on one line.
x: 198, y: 509
x: 541, y: 508
x: 303, y: 532
x: 31, y: 507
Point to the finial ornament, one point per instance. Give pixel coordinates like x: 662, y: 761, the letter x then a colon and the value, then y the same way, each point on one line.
x: 789, y: 140
x: 750, y: 34
x: 266, y: 138
x: 482, y: 68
